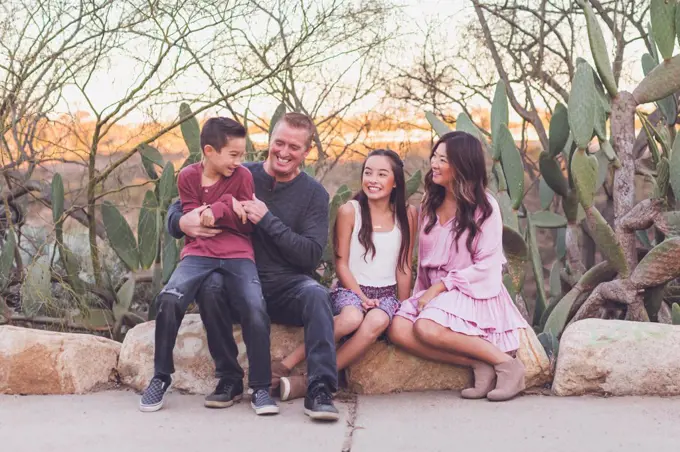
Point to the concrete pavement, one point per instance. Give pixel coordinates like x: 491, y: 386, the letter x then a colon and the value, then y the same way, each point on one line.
x: 432, y: 421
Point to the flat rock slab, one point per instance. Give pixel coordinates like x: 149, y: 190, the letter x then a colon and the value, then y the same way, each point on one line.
x: 443, y: 422
x: 111, y: 422
x: 45, y: 362
x: 385, y: 369
x: 619, y: 358
x: 194, y: 367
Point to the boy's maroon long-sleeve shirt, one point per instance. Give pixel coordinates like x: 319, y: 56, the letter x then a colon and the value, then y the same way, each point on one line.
x: 234, y: 241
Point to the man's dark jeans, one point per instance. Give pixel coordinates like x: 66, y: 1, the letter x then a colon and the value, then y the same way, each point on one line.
x: 243, y: 295
x: 296, y: 300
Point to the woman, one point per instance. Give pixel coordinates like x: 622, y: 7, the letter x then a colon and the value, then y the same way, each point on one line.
x: 460, y: 312
x: 373, y: 241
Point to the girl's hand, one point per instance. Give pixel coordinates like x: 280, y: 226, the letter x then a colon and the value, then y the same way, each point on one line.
x: 368, y: 303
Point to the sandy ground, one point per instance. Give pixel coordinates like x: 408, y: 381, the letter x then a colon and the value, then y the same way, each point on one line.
x: 433, y: 421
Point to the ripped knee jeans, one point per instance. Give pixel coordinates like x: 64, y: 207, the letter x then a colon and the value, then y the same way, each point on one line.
x: 244, y: 297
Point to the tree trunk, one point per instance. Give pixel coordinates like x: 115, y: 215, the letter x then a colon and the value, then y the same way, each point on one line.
x: 623, y: 134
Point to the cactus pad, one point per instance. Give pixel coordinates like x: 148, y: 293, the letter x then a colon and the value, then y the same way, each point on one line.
x: 278, y: 114
x: 120, y: 236
x: 413, y: 183
x: 560, y: 315
x: 545, y: 193
x: 507, y: 213
x: 674, y: 175
x: 150, y: 158
x: 547, y: 219
x: 191, y: 131
x: 663, y: 81
x: 124, y: 298
x: 7, y: 259
x: 57, y: 198
x: 169, y: 256
x: 537, y: 266
x: 559, y: 130
x: 599, y: 48
x: 659, y: 266
x: 439, y: 127
x: 512, y: 164
x: 516, y: 253
x: 584, y: 172
x: 552, y: 173
x: 500, y: 113
x: 147, y: 229
x: 662, y: 178
x: 662, y: 13
x: 581, y: 106
x: 36, y: 289
x: 606, y: 241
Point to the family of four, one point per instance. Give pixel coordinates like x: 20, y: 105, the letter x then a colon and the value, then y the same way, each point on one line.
x: 254, y: 236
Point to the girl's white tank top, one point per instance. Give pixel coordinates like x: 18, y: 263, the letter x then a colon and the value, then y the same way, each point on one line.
x: 378, y: 271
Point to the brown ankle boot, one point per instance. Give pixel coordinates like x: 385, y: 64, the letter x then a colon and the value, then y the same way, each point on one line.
x: 278, y: 371
x: 485, y: 379
x: 510, y: 380
x: 293, y: 387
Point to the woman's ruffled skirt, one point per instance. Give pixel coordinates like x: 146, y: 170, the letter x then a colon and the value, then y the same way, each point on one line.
x: 496, y: 319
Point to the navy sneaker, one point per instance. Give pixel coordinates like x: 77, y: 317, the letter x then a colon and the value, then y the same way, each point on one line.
x: 262, y: 402
x: 154, y: 394
x: 319, y: 403
x: 225, y: 394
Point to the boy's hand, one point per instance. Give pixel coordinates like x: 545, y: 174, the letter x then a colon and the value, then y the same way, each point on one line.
x: 190, y: 224
x: 239, y: 210
x: 207, y: 218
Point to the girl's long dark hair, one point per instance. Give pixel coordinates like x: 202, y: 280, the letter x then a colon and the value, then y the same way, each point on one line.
x: 398, y: 203
x: 466, y: 158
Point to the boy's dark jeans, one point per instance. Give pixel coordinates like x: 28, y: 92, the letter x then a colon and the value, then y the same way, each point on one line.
x: 243, y: 295
x: 291, y: 300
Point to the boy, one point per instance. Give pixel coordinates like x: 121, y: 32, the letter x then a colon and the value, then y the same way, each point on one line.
x: 217, y: 184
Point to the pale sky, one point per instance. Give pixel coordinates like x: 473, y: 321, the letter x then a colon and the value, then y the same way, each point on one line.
x: 111, y: 83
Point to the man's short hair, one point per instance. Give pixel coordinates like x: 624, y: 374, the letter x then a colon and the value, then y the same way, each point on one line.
x: 299, y: 121
x: 217, y: 131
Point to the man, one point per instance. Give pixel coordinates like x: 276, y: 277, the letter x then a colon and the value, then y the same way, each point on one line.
x: 290, y: 214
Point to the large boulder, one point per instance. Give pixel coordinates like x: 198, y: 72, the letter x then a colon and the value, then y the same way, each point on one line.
x: 385, y: 369
x: 617, y: 357
x: 45, y: 362
x: 194, y: 367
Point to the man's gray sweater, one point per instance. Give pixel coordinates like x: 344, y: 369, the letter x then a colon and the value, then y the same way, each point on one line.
x: 291, y: 237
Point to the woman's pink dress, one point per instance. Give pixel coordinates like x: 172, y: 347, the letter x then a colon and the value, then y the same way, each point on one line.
x: 475, y: 302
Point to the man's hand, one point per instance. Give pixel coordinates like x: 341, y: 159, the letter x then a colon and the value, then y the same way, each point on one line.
x: 190, y: 224
x: 255, y: 209
x: 207, y: 218
x: 239, y: 210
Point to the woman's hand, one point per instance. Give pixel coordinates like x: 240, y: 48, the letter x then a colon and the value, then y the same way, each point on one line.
x: 429, y: 295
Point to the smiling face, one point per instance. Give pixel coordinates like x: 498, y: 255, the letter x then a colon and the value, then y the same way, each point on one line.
x: 442, y: 171
x: 288, y: 148
x: 228, y: 159
x: 377, y: 180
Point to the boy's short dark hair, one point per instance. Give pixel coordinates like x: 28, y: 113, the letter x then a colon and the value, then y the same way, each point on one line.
x: 217, y: 131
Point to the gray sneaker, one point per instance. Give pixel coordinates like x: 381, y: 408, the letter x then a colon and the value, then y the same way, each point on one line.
x: 154, y: 394
x: 262, y: 403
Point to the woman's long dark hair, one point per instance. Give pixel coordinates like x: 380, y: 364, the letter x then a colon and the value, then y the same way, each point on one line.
x: 466, y: 158
x: 397, y: 202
